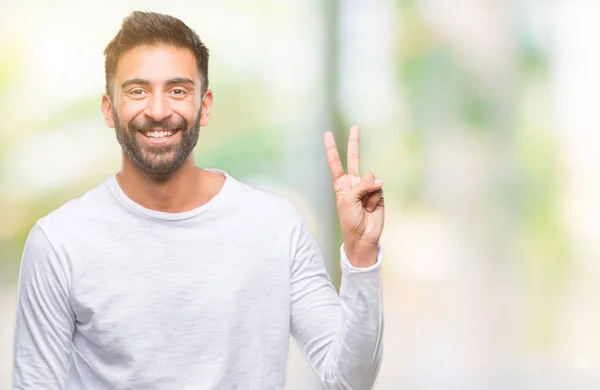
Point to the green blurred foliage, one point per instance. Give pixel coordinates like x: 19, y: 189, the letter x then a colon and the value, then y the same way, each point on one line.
x: 441, y: 95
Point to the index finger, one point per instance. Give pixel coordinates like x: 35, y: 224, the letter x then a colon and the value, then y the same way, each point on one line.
x: 333, y: 157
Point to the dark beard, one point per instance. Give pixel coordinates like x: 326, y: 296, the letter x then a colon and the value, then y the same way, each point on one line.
x: 157, y: 160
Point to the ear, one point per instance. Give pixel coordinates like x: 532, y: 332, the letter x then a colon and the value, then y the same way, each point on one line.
x: 107, y: 111
x: 206, y: 104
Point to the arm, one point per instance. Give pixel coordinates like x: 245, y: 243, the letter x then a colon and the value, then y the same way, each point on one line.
x: 340, y: 336
x: 44, y: 319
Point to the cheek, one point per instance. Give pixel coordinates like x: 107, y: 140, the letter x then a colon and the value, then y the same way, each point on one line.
x: 186, y: 110
x: 130, y: 110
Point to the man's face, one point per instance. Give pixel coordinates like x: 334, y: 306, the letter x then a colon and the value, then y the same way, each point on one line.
x: 157, y: 107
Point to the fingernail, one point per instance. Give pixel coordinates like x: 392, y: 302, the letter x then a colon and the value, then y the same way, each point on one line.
x: 369, y: 209
x: 378, y: 182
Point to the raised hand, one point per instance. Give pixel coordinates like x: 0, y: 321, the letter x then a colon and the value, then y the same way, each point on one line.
x: 359, y: 201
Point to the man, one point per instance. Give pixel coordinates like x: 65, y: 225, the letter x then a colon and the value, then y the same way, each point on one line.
x: 169, y: 276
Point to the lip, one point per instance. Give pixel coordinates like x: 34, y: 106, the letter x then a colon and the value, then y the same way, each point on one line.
x: 159, y: 141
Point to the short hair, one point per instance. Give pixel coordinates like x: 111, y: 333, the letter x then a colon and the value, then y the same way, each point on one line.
x: 151, y: 28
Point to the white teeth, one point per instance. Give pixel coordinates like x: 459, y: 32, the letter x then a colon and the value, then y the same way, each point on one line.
x: 159, y: 134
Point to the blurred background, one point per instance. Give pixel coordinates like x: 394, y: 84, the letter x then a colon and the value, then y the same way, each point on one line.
x: 478, y: 114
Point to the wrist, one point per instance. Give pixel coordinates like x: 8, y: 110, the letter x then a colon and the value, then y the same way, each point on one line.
x: 360, y: 254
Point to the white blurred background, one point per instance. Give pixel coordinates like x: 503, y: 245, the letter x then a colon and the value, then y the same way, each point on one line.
x: 480, y: 115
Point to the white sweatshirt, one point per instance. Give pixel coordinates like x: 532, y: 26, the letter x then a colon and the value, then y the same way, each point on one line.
x: 113, y: 295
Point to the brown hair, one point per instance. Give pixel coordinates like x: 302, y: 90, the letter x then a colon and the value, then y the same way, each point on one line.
x: 151, y: 28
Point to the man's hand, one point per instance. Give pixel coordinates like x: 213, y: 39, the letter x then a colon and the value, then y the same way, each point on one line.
x: 359, y: 202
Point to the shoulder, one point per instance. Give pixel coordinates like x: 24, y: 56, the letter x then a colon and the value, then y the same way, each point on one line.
x: 75, y: 213
x: 270, y: 203
x: 282, y: 214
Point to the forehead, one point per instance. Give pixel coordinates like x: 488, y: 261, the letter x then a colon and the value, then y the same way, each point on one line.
x: 156, y: 63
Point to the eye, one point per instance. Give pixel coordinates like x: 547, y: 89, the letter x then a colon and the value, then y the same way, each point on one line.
x: 137, y: 92
x: 178, y: 92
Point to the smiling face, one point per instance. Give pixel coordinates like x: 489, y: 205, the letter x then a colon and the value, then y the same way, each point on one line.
x: 157, y: 107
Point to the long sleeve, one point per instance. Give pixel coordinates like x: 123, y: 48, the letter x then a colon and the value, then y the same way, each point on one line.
x: 340, y: 335
x: 44, y: 319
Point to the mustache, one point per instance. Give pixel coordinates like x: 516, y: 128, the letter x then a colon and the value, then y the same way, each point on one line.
x: 165, y: 124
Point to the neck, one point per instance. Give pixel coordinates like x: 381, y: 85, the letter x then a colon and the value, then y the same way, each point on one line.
x: 185, y: 189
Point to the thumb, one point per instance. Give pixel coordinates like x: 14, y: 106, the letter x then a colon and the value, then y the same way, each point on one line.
x: 365, y: 187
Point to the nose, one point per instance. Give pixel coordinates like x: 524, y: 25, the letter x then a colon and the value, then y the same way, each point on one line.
x: 158, y: 107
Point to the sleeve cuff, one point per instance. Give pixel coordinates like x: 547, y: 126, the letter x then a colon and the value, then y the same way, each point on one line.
x: 347, y: 266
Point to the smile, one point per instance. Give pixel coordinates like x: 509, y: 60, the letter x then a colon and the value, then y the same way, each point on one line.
x: 159, y: 136
x: 159, y: 133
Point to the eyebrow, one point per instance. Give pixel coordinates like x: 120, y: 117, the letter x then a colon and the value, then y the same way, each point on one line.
x: 175, y: 81
x: 179, y: 81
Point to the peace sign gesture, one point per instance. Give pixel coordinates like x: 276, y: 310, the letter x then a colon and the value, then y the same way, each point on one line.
x: 359, y: 201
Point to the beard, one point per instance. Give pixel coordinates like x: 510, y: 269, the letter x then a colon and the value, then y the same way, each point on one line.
x: 157, y: 160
